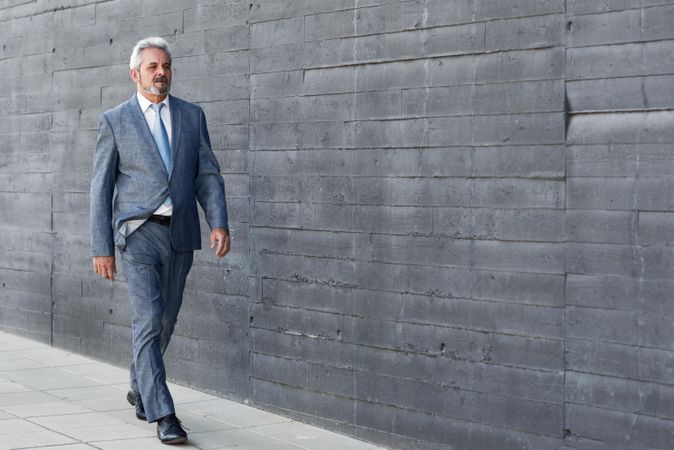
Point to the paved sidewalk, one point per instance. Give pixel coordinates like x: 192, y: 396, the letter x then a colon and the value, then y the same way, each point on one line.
x: 51, y: 399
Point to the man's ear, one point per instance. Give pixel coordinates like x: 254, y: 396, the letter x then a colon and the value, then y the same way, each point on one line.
x: 133, y: 73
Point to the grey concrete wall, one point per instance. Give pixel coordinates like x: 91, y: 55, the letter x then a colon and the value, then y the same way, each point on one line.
x: 619, y: 167
x: 452, y: 221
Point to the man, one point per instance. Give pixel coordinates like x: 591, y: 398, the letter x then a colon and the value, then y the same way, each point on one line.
x: 152, y: 162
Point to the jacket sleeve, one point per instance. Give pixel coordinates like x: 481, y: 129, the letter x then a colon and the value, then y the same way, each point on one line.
x: 210, y: 187
x: 102, y: 188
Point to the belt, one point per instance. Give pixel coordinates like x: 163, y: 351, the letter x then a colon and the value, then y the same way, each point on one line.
x: 161, y: 220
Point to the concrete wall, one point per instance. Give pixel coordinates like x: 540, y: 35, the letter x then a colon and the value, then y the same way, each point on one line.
x: 452, y: 221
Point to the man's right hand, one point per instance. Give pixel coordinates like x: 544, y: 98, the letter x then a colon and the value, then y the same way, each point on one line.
x: 105, y: 267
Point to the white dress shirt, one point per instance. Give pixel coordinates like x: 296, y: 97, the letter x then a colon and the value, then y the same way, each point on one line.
x: 150, y: 117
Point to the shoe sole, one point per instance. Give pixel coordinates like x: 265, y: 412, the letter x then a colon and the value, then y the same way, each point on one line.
x: 180, y: 440
x: 132, y: 402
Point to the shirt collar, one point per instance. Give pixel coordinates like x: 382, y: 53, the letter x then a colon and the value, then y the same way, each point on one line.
x: 145, y: 103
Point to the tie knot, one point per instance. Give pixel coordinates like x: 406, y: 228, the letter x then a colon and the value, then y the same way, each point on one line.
x: 157, y: 107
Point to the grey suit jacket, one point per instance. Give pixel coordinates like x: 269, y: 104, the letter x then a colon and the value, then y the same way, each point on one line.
x: 130, y: 181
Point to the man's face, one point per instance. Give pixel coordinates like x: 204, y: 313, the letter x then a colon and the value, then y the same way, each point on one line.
x: 154, y: 75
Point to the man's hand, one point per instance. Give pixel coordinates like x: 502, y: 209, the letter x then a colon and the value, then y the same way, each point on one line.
x: 105, y: 267
x: 220, y: 241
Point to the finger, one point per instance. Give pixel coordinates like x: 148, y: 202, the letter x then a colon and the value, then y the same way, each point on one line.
x: 225, y: 247
x: 213, y: 239
x: 221, y: 244
x: 103, y: 270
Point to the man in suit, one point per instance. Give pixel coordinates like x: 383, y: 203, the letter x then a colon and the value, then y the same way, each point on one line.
x: 152, y: 163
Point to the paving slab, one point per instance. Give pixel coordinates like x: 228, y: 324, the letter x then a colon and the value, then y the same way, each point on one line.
x: 20, y: 433
x: 310, y: 437
x: 69, y: 447
x: 46, y: 378
x: 11, y: 386
x: 52, y: 399
x: 50, y: 408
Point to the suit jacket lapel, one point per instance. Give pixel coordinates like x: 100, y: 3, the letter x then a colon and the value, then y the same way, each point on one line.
x: 138, y: 119
x: 174, y: 105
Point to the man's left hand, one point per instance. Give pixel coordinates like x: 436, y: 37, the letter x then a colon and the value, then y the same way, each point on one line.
x: 220, y: 241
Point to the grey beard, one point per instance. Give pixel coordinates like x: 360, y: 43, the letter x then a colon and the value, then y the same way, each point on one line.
x: 155, y: 91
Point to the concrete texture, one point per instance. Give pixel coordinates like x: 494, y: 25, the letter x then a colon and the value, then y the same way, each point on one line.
x: 451, y: 221
x: 50, y: 399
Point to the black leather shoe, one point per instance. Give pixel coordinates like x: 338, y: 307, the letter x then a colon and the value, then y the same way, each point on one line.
x: 169, y: 430
x: 134, y: 399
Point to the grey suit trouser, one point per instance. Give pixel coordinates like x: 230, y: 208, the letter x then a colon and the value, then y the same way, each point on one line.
x: 155, y: 275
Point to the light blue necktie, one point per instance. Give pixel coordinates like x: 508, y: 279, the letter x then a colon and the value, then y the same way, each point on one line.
x: 161, y: 138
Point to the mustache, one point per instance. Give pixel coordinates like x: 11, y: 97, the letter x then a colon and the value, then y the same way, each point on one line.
x: 161, y: 78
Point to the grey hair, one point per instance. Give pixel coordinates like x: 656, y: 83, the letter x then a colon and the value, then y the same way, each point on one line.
x: 150, y: 42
